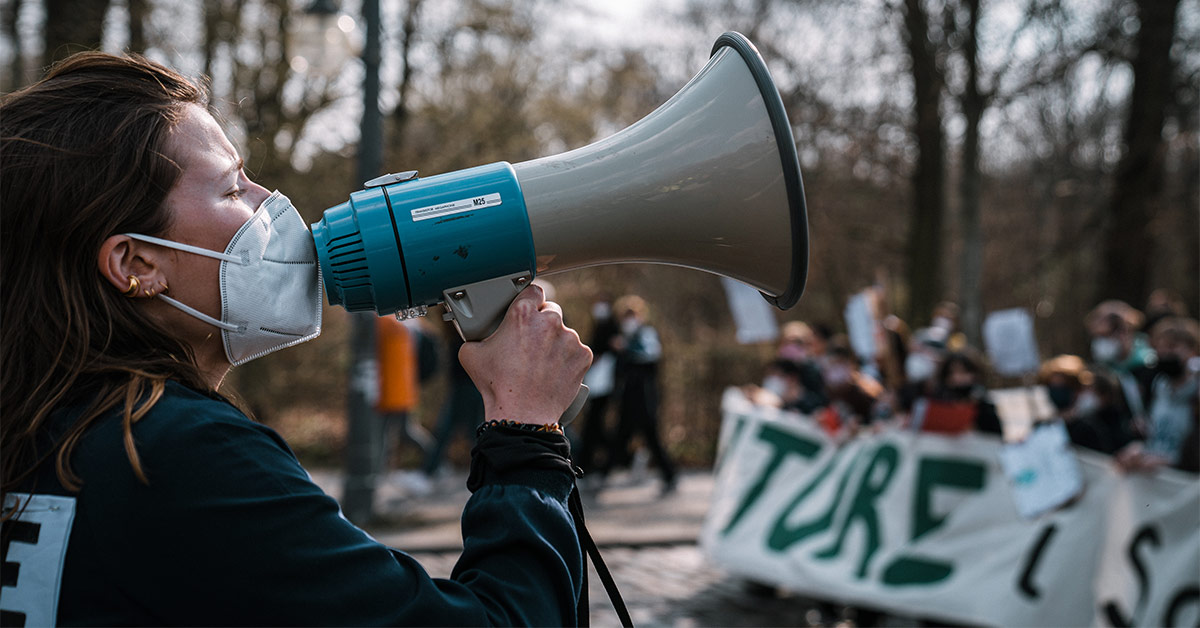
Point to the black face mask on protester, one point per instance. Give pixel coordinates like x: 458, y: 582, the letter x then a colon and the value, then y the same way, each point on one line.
x: 960, y: 392
x: 1061, y: 396
x: 1171, y: 366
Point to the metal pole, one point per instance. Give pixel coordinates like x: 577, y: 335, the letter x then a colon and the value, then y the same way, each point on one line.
x: 363, y: 430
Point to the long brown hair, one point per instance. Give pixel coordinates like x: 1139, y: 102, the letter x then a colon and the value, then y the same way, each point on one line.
x: 82, y: 152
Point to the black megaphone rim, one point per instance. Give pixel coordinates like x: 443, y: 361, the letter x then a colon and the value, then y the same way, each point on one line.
x: 789, y: 162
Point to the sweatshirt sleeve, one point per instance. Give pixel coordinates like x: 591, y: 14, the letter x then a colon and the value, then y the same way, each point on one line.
x: 231, y: 530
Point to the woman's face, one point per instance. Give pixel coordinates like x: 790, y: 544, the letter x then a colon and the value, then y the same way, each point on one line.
x: 211, y: 200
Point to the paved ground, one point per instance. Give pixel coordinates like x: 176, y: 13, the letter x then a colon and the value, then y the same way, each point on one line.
x: 627, y: 512
x: 647, y: 540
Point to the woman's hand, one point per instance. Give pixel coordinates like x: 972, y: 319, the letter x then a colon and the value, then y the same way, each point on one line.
x: 530, y: 369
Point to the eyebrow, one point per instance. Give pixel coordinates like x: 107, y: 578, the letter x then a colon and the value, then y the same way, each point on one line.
x: 236, y: 167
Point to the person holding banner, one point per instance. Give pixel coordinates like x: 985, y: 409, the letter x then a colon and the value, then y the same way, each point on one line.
x: 1117, y: 345
x: 1174, y: 394
x: 852, y: 393
x: 960, y: 402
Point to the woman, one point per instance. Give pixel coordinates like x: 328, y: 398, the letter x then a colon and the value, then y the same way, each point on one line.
x: 136, y: 254
x: 960, y: 385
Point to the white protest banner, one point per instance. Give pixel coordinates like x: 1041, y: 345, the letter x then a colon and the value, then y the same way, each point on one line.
x: 1011, y: 346
x: 1150, y: 554
x: 926, y: 526
x: 753, y: 316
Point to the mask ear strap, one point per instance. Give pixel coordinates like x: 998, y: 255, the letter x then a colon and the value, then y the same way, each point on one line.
x: 187, y: 309
x: 233, y: 259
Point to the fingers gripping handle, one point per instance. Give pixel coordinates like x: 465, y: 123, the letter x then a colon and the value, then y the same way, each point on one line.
x: 477, y: 310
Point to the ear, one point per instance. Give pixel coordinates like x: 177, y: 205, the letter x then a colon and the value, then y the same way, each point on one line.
x: 122, y: 258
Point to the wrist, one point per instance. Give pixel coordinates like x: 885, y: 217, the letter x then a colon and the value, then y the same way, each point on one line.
x: 490, y: 424
x: 518, y: 413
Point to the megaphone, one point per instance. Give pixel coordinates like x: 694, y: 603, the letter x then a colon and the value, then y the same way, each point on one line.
x: 710, y: 180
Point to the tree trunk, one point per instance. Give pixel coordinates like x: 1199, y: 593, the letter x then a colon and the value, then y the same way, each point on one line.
x: 17, y: 69
x: 971, y: 266
x: 1137, y: 184
x: 212, y: 24
x: 72, y: 26
x: 925, y: 231
x: 403, y: 108
x: 138, y: 11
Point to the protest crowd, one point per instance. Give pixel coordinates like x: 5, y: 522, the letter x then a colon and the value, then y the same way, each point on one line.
x: 1132, y: 394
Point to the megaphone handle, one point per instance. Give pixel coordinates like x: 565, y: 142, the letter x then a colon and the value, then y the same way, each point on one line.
x: 577, y: 405
x: 478, y: 308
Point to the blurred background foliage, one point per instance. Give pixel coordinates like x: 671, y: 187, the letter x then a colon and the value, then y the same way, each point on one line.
x: 996, y: 153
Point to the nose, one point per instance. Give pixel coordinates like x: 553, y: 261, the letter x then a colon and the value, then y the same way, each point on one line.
x: 255, y: 193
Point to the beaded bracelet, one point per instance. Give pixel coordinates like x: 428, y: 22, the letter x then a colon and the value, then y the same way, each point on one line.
x: 529, y: 427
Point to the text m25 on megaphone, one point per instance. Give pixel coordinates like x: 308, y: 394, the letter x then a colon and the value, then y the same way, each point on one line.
x: 709, y: 180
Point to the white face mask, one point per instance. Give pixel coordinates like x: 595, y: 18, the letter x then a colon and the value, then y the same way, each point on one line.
x: 1105, y: 349
x: 918, y: 367
x: 270, y: 283
x: 775, y: 384
x: 630, y: 325
x: 943, y: 322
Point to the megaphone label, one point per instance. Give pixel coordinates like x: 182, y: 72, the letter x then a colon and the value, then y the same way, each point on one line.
x: 456, y: 207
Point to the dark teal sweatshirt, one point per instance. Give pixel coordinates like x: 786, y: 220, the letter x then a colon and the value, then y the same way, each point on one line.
x: 230, y: 530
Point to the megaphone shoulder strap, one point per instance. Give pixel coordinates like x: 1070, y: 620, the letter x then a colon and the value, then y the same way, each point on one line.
x: 610, y: 586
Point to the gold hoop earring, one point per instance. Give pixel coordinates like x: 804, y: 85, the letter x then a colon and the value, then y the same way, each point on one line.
x: 134, y: 286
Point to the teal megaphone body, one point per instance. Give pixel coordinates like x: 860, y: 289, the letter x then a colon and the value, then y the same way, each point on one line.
x: 709, y: 180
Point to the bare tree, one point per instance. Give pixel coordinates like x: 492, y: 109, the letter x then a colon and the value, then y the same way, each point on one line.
x: 1137, y: 184
x: 929, y: 176
x: 138, y: 12
x: 973, y: 101
x: 408, y: 33
x: 72, y: 26
x: 12, y: 12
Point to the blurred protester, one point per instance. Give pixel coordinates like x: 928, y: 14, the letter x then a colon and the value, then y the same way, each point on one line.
x: 796, y: 340
x: 462, y: 410
x: 1065, y: 377
x: 896, y: 337
x: 601, y: 380
x: 926, y: 350
x: 1102, y: 405
x: 818, y: 348
x: 638, y: 351
x: 1117, y: 345
x: 792, y: 386
x: 1162, y: 304
x: 852, y: 393
x: 1174, y: 393
x: 945, y: 318
x: 397, y: 354
x: 1073, y: 391
x: 959, y: 402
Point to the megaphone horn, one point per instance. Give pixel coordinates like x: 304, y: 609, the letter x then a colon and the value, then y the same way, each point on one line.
x: 710, y: 180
